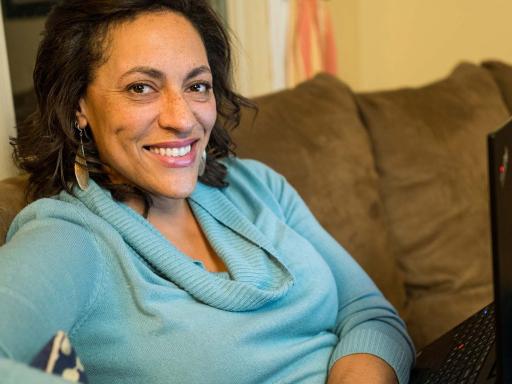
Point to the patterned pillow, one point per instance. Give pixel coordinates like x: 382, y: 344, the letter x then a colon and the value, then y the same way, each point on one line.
x: 59, y: 358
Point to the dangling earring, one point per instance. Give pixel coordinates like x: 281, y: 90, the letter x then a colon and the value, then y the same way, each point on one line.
x: 81, y: 170
x: 202, y: 163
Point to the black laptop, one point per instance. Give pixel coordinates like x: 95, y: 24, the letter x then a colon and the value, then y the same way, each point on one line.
x: 479, y: 350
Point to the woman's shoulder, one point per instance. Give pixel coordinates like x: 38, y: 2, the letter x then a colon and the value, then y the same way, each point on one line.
x: 253, y: 173
x: 55, y: 231
x: 60, y: 210
x: 252, y: 183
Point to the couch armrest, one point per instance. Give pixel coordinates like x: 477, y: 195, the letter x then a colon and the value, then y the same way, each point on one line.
x: 12, y: 200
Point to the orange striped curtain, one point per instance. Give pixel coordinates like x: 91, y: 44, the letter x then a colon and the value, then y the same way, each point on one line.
x: 311, y: 46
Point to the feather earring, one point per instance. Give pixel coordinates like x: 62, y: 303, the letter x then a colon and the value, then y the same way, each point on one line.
x: 81, y: 170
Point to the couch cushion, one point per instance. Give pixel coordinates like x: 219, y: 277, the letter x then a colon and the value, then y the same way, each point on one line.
x: 430, y: 152
x: 12, y: 200
x: 502, y: 74
x: 313, y: 136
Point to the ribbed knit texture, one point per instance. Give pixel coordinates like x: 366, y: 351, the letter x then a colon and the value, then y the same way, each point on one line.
x: 253, y: 284
x: 138, y: 310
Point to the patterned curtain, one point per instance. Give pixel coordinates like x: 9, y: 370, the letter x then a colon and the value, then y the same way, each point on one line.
x: 279, y: 43
x: 311, y: 46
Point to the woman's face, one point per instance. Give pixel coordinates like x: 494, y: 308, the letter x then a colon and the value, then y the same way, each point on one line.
x: 151, y: 106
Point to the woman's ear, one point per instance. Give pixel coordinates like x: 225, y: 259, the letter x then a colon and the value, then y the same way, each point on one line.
x: 81, y: 114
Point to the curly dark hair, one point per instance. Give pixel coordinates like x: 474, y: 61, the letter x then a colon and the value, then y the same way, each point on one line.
x: 73, y: 46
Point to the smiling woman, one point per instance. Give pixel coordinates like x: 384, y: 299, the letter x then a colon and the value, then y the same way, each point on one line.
x: 152, y: 123
x: 163, y: 256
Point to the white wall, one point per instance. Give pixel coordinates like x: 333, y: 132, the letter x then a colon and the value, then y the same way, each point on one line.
x: 7, y: 119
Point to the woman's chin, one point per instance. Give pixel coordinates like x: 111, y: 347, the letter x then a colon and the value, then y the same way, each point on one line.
x: 174, y: 191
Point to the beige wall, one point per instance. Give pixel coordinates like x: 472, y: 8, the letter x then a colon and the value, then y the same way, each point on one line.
x: 392, y: 43
x: 248, y: 22
x: 6, y: 110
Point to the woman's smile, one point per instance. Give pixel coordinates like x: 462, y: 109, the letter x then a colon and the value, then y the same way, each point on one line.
x: 174, y: 154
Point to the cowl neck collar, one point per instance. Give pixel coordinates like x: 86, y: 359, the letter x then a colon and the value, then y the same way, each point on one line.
x: 257, y: 275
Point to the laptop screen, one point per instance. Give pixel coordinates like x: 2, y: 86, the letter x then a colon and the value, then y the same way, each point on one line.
x: 500, y: 173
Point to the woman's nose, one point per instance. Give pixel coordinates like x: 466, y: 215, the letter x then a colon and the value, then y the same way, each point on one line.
x: 176, y: 114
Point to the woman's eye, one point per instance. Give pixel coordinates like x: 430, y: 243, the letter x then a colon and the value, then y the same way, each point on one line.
x: 201, y: 87
x: 140, y: 88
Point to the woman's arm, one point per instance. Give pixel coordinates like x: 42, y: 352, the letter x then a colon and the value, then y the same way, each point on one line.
x: 49, y: 276
x: 367, y: 325
x: 361, y: 368
x: 13, y: 372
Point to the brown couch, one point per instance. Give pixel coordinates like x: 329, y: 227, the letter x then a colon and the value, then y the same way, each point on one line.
x: 398, y: 177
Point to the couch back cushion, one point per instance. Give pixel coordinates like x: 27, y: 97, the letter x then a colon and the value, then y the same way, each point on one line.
x: 430, y: 153
x: 12, y: 200
x: 502, y: 74
x: 312, y: 135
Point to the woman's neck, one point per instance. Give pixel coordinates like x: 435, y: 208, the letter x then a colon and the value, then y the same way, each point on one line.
x: 160, y: 208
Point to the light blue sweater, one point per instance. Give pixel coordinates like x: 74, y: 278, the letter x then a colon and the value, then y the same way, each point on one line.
x: 137, y: 310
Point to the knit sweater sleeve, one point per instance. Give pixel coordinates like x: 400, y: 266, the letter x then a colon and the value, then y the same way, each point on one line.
x: 49, y: 279
x: 366, y: 321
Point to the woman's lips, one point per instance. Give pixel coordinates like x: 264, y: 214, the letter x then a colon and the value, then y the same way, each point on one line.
x: 175, y: 154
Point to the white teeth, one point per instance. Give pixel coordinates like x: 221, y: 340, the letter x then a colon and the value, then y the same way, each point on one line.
x: 171, y: 152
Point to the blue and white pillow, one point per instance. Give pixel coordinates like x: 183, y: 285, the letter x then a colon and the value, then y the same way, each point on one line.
x: 59, y: 358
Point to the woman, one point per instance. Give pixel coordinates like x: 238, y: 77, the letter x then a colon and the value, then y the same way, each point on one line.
x: 156, y: 277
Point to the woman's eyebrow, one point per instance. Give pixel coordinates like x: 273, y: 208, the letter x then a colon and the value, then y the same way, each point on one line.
x: 151, y: 72
x: 159, y: 75
x: 197, y: 71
